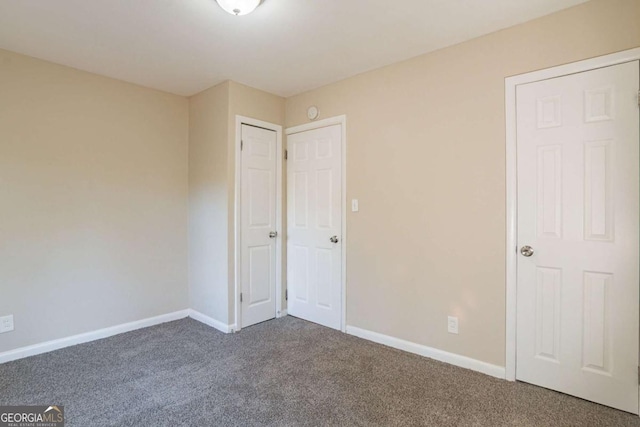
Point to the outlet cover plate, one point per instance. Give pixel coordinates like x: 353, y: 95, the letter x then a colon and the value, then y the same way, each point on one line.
x: 6, y: 324
x: 452, y: 325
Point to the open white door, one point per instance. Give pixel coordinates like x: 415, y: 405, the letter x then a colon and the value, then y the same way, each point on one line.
x: 314, y: 237
x: 578, y: 235
x: 258, y: 225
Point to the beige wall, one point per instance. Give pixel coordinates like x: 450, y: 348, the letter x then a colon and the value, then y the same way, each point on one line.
x: 426, y: 159
x: 93, y: 201
x: 208, y: 202
x: 212, y: 141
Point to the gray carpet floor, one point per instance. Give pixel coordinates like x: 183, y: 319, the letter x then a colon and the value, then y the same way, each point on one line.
x: 285, y: 372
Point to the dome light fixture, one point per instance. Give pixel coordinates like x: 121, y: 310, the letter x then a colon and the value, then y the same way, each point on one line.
x: 239, y: 7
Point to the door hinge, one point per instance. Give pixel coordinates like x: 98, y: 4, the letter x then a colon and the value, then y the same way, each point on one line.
x: 286, y: 294
x: 286, y: 154
x: 241, y: 145
x: 639, y: 98
x: 240, y: 296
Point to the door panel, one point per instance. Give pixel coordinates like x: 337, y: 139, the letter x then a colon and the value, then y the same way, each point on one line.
x: 314, y: 216
x: 578, y: 207
x: 258, y: 217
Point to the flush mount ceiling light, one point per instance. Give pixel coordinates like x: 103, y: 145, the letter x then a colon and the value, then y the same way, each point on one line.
x: 239, y: 7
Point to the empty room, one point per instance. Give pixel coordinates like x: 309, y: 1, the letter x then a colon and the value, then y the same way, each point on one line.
x: 319, y: 213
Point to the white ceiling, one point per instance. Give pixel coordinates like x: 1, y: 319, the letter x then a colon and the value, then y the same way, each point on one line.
x: 284, y: 47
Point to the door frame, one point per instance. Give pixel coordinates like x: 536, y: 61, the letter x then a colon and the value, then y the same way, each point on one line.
x: 242, y: 120
x: 512, y: 174
x: 337, y: 120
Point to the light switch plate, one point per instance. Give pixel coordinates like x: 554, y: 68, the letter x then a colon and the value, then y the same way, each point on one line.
x: 354, y: 205
x: 452, y: 325
x: 6, y: 324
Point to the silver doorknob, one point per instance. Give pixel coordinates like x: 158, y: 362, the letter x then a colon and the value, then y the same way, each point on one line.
x: 526, y: 251
x: 334, y: 239
x: 273, y: 234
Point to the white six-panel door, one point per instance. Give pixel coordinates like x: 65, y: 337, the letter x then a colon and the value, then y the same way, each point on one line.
x: 258, y: 225
x: 578, y: 197
x: 314, y: 232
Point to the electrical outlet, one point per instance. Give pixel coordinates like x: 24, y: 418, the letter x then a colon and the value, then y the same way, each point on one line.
x: 452, y: 325
x: 6, y: 324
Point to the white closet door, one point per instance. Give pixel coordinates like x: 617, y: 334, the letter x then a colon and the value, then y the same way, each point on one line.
x: 258, y: 225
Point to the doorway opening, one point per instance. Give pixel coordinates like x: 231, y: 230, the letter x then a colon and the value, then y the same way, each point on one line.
x: 572, y: 229
x: 316, y: 222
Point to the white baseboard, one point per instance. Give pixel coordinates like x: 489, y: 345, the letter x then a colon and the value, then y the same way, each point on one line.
x: 45, y: 347
x: 282, y: 313
x: 210, y: 321
x: 432, y: 353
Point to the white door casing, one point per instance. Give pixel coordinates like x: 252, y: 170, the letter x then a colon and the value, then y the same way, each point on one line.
x: 258, y: 219
x: 315, y: 225
x: 578, y: 208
